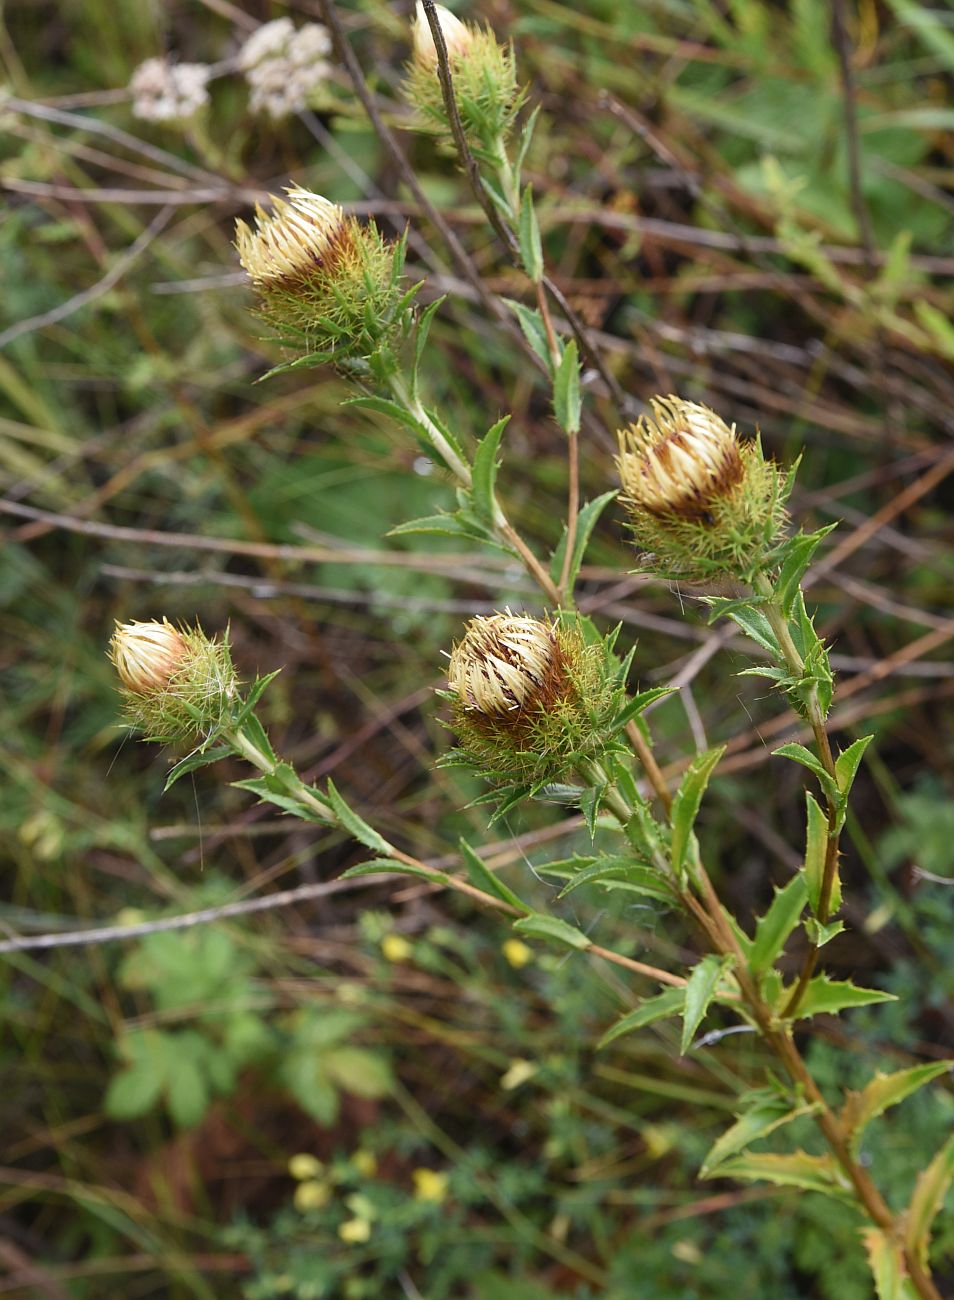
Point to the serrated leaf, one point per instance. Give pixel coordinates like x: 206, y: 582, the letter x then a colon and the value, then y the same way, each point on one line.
x: 256, y: 691
x: 567, y: 401
x: 533, y: 328
x: 424, y: 322
x: 443, y: 525
x: 591, y: 800
x: 848, y: 762
x: 485, y: 470
x: 826, y: 995
x: 639, y: 704
x: 194, y: 761
x: 884, y: 1091
x: 887, y: 1267
x: 816, y: 847
x: 528, y: 233
x: 819, y: 934
x: 668, y: 1003
x: 640, y: 878
x: 928, y: 1198
x: 540, y: 926
x: 393, y: 410
x: 799, y: 754
x: 701, y: 989
x: 585, y: 523
x: 746, y: 615
x: 487, y: 880
x: 796, y: 557
x: 272, y: 789
x: 772, y: 929
x: 797, y: 1169
x: 388, y: 866
x: 766, y: 1111
x: 355, y: 825
x: 685, y: 806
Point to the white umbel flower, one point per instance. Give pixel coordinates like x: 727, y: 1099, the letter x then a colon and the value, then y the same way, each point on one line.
x: 163, y: 91
x: 284, y: 65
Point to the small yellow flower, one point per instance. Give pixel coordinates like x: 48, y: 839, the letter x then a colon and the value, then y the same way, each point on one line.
x: 429, y: 1185
x: 518, y: 1073
x: 517, y: 953
x: 355, y: 1231
x: 146, y: 655
x: 366, y: 1163
x: 458, y: 37
x: 394, y: 947
x: 303, y: 1165
x: 312, y: 1195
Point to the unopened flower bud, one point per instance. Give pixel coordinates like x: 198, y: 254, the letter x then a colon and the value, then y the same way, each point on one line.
x: 177, y: 683
x: 484, y: 79
x: 700, y: 500
x: 146, y: 655
x: 530, y: 697
x: 319, y: 273
x: 458, y: 37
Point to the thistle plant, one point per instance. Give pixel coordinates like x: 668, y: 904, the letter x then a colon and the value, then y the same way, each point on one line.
x: 541, y: 705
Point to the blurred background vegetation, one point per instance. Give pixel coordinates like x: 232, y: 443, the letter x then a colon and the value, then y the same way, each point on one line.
x: 749, y: 201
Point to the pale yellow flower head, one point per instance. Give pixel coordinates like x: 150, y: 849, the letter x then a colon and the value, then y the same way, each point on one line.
x: 679, y: 460
x: 146, y: 655
x: 300, y: 238
x: 458, y: 37
x: 503, y: 663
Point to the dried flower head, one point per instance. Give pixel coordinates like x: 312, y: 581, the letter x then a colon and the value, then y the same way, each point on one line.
x: 163, y: 91
x: 284, y: 66
x: 530, y: 697
x: 701, y: 502
x: 146, y: 655
x: 177, y: 683
x: 320, y: 274
x: 484, y: 76
x: 458, y: 37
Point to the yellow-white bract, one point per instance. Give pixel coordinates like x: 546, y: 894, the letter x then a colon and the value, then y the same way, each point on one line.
x: 502, y: 662
x: 146, y: 655
x: 294, y: 242
x: 458, y: 37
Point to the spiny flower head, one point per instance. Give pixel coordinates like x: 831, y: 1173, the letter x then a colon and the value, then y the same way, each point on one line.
x: 322, y: 277
x: 530, y: 697
x: 703, y: 502
x: 177, y: 684
x: 484, y: 77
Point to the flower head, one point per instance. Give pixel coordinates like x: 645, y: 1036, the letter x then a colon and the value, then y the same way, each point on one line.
x: 177, y: 683
x: 163, y: 91
x: 146, y: 655
x: 284, y: 66
x: 701, y: 501
x: 530, y: 697
x: 321, y: 276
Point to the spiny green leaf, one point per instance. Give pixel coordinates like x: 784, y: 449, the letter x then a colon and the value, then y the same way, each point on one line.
x: 685, y: 806
x: 567, y: 402
x: 528, y: 233
x: 585, y: 523
x: 799, y: 754
x: 639, y: 704
x: 701, y: 989
x: 887, y: 1267
x: 193, y: 761
x: 355, y: 825
x: 883, y: 1091
x: 591, y: 800
x: 540, y: 926
x: 746, y: 615
x: 848, y: 762
x: 773, y: 929
x: 765, y: 1111
x: 533, y: 328
x: 638, y: 877
x: 929, y: 1192
x: 487, y: 880
x: 485, y: 470
x: 824, y: 994
x: 388, y: 866
x: 665, y: 1004
x: 457, y: 524
x: 797, y: 1169
x: 278, y: 788
x: 816, y: 846
x: 795, y: 558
